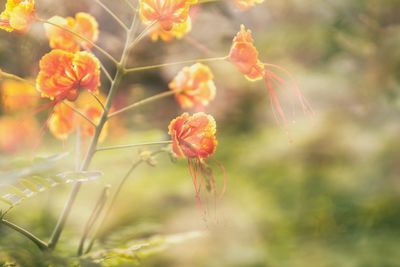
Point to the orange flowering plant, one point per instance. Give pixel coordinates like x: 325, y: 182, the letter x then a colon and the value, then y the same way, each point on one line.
x: 68, y: 85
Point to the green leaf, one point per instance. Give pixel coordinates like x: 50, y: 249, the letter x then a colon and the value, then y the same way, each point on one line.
x: 138, y: 249
x: 29, y: 186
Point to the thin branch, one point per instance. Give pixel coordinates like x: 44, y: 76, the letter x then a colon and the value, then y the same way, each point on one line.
x: 142, y: 102
x: 112, y: 14
x: 141, y: 35
x: 38, y: 242
x: 79, y: 113
x: 93, y: 144
x: 98, y: 101
x: 103, y: 68
x: 93, y: 218
x: 115, y: 196
x: 101, y: 50
x: 11, y: 76
x: 128, y: 146
x: 130, y: 5
x: 130, y: 70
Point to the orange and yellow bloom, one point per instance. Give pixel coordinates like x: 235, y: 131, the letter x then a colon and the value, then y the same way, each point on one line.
x: 166, y: 13
x: 18, y: 15
x: 246, y: 4
x: 65, y: 120
x: 193, y: 137
x: 177, y: 32
x: 18, y: 134
x: 83, y: 24
x: 64, y: 74
x: 244, y: 55
x: 93, y: 110
x: 194, y: 86
x: 62, y: 121
x: 18, y: 95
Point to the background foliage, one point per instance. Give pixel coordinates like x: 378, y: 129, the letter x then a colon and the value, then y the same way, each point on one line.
x: 329, y: 198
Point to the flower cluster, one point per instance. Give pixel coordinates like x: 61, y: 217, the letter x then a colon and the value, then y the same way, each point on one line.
x: 68, y: 33
x: 64, y: 120
x: 17, y: 95
x: 68, y: 79
x: 18, y: 15
x: 168, y: 19
x: 194, y: 86
x: 64, y: 74
x: 193, y: 136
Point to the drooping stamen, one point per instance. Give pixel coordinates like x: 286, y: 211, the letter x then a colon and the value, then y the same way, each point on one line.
x: 291, y: 84
x: 193, y: 173
x: 276, y: 105
x: 224, y: 181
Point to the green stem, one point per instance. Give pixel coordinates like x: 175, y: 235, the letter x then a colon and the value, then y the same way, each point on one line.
x: 79, y: 113
x: 114, y: 198
x: 105, y: 148
x: 98, y: 101
x: 130, y: 70
x: 92, y: 148
x: 142, y: 102
x: 11, y: 76
x: 93, y: 217
x: 112, y: 14
x: 38, y: 242
x: 101, y: 50
x: 130, y: 5
x: 141, y: 35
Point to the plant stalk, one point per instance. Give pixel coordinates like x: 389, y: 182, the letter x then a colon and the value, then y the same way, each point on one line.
x: 38, y: 242
x: 114, y: 198
x: 142, y: 102
x: 92, y: 148
x: 105, y: 148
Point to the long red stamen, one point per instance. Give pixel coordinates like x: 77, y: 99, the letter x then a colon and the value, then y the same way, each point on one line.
x: 225, y: 180
x: 276, y: 105
x: 292, y: 85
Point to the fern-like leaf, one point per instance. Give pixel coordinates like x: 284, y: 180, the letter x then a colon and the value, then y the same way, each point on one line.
x: 27, y: 187
x: 137, y: 250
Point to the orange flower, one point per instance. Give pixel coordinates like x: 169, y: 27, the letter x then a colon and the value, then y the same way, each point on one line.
x: 17, y: 95
x: 63, y: 74
x: 166, y: 13
x: 83, y: 24
x: 18, y: 15
x: 62, y: 121
x: 194, y: 86
x: 193, y: 136
x: 92, y: 109
x: 17, y: 134
x: 245, y: 55
x: 245, y: 4
x: 177, y: 31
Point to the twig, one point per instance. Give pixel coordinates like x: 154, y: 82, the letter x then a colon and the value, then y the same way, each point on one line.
x: 105, y: 148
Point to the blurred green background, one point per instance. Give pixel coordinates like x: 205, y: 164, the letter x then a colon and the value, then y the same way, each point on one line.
x: 331, y: 197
